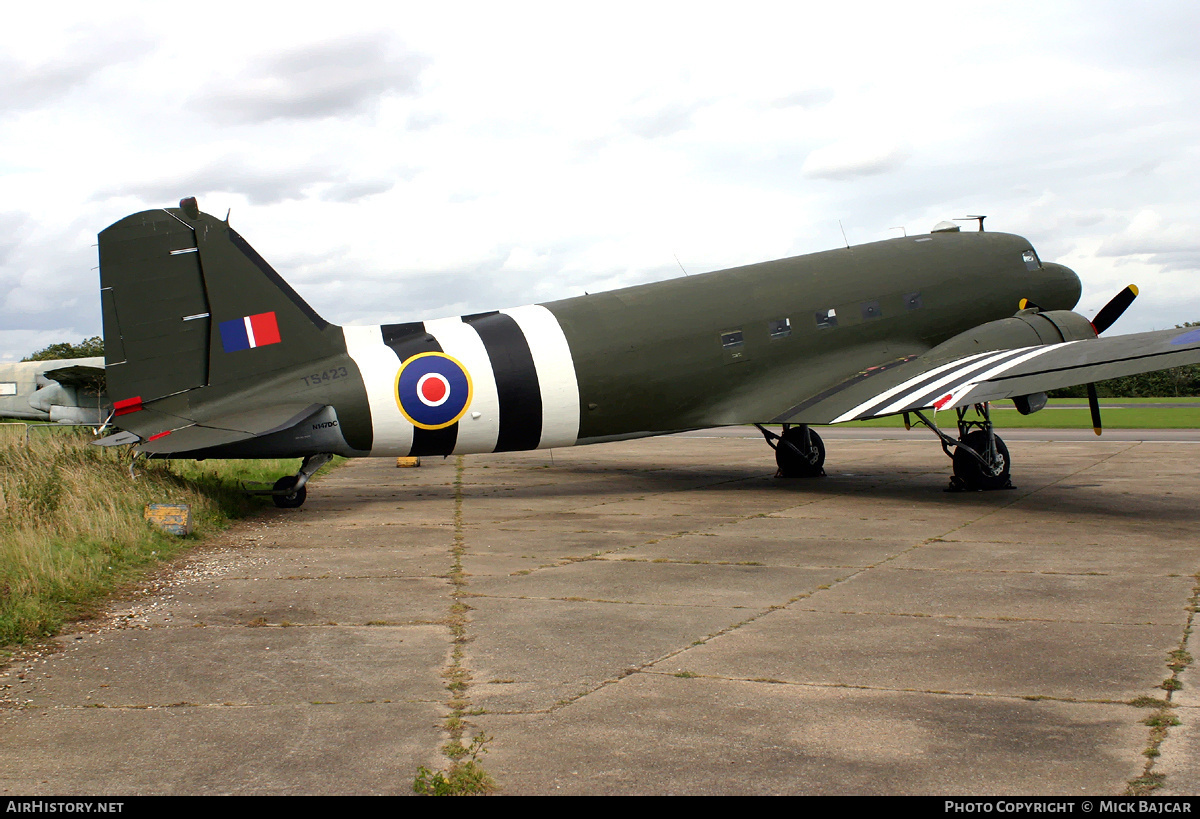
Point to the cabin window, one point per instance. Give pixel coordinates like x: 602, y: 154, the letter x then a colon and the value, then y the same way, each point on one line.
x: 827, y: 318
x: 732, y: 339
x: 870, y: 310
x: 912, y: 301
x: 8, y: 387
x: 780, y: 328
x: 1031, y: 260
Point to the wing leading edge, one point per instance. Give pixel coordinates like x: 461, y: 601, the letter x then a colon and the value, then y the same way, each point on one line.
x: 926, y: 382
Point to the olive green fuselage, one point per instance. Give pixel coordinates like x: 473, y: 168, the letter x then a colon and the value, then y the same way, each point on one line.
x: 665, y: 356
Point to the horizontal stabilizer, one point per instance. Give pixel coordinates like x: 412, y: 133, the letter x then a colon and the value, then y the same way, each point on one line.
x: 228, y: 429
x: 120, y: 439
x: 187, y: 439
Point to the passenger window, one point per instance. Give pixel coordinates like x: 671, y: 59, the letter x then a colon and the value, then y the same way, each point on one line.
x: 780, y: 328
x: 732, y: 339
x: 827, y: 318
x: 912, y: 301
x: 870, y: 310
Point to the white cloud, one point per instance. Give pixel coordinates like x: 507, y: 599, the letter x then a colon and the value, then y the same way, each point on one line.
x: 327, y: 78
x: 423, y: 160
x: 1148, y: 233
x: 853, y: 158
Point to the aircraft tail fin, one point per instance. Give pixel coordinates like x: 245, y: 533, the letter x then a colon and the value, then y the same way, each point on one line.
x: 187, y: 303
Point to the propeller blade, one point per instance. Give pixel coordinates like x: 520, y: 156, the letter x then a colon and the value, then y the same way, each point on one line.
x: 1025, y: 304
x: 1113, y: 310
x: 1094, y: 406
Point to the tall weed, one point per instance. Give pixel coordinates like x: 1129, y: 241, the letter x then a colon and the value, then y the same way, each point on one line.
x: 72, y: 527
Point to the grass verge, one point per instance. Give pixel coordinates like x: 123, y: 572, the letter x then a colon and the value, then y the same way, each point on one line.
x: 71, y: 522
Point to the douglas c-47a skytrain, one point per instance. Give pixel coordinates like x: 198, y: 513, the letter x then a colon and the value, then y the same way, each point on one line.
x: 210, y: 354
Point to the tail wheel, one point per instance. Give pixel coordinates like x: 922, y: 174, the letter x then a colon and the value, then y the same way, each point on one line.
x: 800, y: 458
x: 976, y: 475
x: 294, y: 497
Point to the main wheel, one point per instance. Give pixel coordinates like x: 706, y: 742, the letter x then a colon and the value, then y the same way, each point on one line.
x: 292, y: 500
x: 795, y: 459
x: 974, y: 474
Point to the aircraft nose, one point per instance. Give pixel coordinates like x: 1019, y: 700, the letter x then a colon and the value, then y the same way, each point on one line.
x: 1063, y: 288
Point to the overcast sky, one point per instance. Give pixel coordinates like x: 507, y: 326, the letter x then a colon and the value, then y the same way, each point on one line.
x: 406, y: 161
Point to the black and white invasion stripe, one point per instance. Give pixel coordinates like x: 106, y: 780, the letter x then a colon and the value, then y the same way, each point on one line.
x: 925, y: 390
x: 524, y: 391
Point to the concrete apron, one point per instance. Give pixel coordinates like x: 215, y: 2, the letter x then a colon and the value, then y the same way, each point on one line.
x: 658, y: 616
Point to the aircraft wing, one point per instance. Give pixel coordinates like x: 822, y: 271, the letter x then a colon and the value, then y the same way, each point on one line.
x: 77, y: 375
x: 923, y: 382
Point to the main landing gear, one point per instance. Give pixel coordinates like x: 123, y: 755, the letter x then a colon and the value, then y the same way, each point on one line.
x: 979, y: 455
x: 799, y: 451
x: 290, y: 491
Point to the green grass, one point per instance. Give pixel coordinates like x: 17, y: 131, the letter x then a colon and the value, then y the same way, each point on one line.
x: 1056, y: 416
x: 72, y: 530
x: 465, y: 779
x: 1182, y: 399
x: 466, y: 776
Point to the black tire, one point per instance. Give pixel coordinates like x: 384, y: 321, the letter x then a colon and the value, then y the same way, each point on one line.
x: 290, y: 501
x: 794, y: 460
x: 972, y: 473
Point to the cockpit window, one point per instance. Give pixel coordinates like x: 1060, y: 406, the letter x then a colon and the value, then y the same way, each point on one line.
x: 1031, y: 260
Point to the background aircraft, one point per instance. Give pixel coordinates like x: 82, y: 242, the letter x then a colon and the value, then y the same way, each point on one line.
x: 69, y: 391
x: 210, y: 354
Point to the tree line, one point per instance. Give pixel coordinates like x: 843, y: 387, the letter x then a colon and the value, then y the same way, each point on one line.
x: 87, y: 348
x: 1177, y: 381
x: 1172, y: 383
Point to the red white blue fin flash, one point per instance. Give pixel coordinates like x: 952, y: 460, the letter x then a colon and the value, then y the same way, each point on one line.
x: 249, y: 331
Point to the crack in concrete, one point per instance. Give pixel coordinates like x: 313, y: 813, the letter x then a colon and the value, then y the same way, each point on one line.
x: 897, y: 689
x: 1165, y: 717
x: 982, y: 618
x: 457, y: 673
x: 604, y: 601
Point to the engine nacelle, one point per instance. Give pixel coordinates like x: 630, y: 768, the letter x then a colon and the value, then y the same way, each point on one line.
x: 1028, y: 328
x: 1070, y: 325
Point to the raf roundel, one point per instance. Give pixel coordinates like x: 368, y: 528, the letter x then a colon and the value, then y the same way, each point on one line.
x: 433, y: 390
